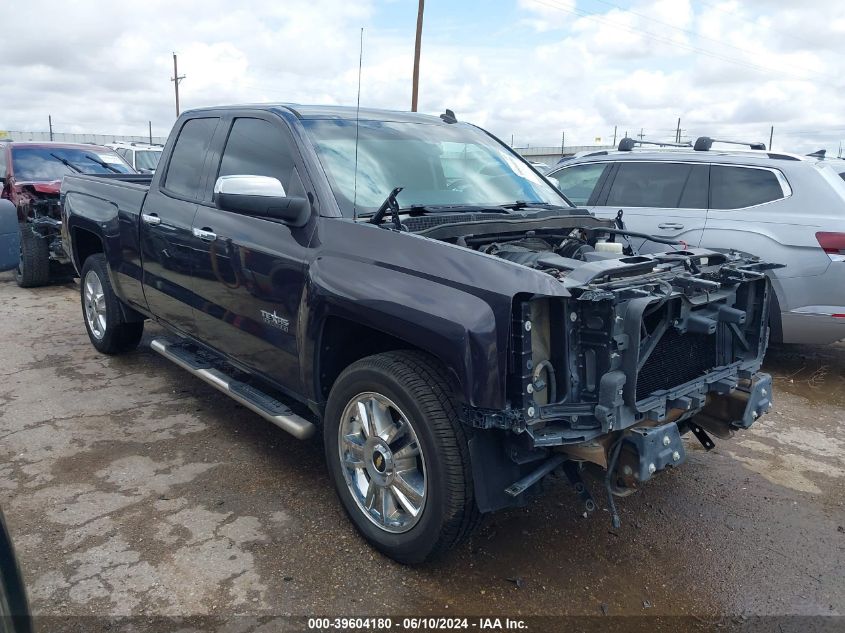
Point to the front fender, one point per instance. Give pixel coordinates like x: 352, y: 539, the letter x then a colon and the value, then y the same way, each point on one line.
x: 465, y: 332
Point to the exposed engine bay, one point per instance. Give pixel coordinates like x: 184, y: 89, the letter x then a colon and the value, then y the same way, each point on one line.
x: 556, y: 256
x: 38, y: 207
x: 558, y: 244
x: 633, y: 352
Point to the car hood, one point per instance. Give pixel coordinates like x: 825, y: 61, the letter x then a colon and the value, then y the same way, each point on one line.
x: 51, y: 188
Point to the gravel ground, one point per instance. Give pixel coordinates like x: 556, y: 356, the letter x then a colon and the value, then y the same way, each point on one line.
x: 132, y: 488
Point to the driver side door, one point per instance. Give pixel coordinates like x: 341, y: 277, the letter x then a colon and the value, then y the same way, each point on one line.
x: 250, y: 271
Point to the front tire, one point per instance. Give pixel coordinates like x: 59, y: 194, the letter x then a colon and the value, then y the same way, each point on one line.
x: 34, y: 264
x: 398, y: 456
x: 107, y: 327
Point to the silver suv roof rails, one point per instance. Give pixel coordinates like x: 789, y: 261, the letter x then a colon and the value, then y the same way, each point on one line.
x: 704, y: 143
x: 627, y: 144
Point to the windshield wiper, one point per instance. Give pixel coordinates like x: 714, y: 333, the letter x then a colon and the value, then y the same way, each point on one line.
x: 522, y: 204
x: 102, y: 163
x: 66, y: 163
x: 390, y: 204
x: 457, y: 208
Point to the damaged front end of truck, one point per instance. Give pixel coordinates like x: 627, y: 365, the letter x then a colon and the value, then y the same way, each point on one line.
x: 639, y: 351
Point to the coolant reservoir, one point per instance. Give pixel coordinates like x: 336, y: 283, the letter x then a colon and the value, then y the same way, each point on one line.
x: 609, y: 247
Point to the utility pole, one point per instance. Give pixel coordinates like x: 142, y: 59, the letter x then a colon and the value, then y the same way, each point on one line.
x: 511, y: 140
x: 678, y: 131
x: 771, y: 136
x: 641, y: 134
x: 50, y: 123
x: 176, y: 79
x: 614, y: 136
x: 416, y: 87
x: 151, y: 132
x: 562, y: 142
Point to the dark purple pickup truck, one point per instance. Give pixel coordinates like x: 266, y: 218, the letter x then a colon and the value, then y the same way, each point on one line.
x: 415, y: 291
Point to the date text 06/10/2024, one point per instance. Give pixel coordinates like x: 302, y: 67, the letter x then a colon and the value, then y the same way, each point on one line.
x: 416, y: 624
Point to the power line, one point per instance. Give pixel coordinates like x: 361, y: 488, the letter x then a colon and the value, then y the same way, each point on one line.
x: 653, y: 36
x: 721, y: 9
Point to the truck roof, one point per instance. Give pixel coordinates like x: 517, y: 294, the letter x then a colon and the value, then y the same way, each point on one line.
x: 333, y: 112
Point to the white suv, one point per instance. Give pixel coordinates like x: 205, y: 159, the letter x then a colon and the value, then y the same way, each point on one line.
x: 787, y: 209
x: 144, y: 158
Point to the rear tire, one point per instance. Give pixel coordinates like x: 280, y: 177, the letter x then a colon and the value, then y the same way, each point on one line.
x: 34, y: 264
x: 104, y: 320
x: 403, y: 473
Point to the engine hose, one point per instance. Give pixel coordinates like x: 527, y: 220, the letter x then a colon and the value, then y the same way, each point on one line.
x: 646, y: 236
x: 608, y: 482
x: 551, y: 385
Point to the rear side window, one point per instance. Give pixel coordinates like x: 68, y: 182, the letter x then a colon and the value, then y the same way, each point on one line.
x: 186, y: 162
x: 579, y: 181
x: 740, y: 187
x: 257, y: 148
x: 662, y: 185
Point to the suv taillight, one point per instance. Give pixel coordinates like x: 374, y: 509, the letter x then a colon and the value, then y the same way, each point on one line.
x: 833, y: 244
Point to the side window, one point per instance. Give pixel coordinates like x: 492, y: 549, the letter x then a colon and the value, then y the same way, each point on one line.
x: 739, y: 187
x: 577, y: 182
x: 257, y: 148
x: 650, y: 185
x: 186, y: 161
x: 696, y: 187
x: 2, y: 161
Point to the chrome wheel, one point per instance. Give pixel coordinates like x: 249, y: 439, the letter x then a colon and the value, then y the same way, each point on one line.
x: 382, y: 462
x: 94, y: 300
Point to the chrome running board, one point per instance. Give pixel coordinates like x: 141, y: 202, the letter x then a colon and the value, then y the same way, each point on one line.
x: 252, y: 398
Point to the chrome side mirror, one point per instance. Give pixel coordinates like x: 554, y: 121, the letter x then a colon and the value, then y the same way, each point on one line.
x: 260, y: 196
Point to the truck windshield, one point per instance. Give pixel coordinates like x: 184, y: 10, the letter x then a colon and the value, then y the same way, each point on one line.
x: 435, y: 164
x: 45, y: 164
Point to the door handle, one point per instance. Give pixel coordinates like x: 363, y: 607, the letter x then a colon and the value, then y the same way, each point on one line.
x: 151, y: 218
x: 670, y: 225
x: 205, y: 234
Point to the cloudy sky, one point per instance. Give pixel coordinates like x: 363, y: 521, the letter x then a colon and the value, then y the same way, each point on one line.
x: 523, y: 68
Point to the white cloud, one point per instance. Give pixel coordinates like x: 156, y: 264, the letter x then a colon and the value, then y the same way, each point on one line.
x: 724, y: 67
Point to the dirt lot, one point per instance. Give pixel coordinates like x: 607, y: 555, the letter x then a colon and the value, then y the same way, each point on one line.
x: 132, y: 488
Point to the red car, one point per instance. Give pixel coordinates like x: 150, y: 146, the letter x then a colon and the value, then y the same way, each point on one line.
x: 30, y: 177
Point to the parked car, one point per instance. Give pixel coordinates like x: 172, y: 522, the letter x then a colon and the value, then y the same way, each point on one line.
x: 14, y: 608
x: 30, y: 177
x: 412, y: 288
x: 541, y: 167
x: 143, y: 157
x: 783, y: 207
